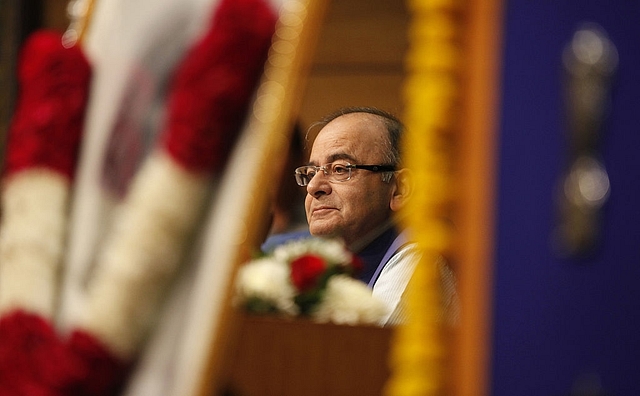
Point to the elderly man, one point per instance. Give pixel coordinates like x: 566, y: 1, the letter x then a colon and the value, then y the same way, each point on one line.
x: 355, y: 185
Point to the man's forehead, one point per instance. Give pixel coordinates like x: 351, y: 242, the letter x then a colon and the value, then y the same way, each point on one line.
x: 357, y: 128
x: 359, y: 119
x: 350, y: 137
x: 354, y: 151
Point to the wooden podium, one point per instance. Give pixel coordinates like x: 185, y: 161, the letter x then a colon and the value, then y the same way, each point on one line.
x: 299, y: 357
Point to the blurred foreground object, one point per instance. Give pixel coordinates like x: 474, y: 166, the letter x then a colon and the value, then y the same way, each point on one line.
x: 209, y: 95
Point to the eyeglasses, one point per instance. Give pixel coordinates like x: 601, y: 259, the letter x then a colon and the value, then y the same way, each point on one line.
x: 336, y: 171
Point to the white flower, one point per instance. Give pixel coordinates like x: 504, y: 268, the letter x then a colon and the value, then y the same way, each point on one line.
x: 267, y: 279
x: 349, y: 301
x: 332, y: 250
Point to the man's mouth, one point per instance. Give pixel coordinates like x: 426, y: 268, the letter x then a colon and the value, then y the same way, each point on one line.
x: 322, y: 210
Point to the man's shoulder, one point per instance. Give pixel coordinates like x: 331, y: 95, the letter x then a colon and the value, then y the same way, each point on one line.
x: 403, y: 261
x: 279, y: 239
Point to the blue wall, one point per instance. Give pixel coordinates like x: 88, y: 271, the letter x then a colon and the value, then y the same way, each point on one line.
x: 558, y: 320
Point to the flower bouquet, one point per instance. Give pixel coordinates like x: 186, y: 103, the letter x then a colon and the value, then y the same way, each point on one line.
x: 309, y: 277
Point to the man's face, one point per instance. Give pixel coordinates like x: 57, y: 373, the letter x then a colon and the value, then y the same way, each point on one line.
x: 354, y: 208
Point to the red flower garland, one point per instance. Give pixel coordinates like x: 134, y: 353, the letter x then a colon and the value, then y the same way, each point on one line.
x: 45, y: 132
x: 213, y: 86
x: 47, y: 124
x: 103, y: 373
x: 34, y: 361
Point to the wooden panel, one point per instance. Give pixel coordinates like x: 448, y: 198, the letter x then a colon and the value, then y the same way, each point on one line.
x: 279, y: 357
x: 327, y: 92
x: 363, y: 32
x: 475, y: 218
x: 359, y: 60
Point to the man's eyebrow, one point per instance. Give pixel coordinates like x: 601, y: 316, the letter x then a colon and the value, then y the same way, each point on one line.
x: 335, y: 157
x: 341, y: 156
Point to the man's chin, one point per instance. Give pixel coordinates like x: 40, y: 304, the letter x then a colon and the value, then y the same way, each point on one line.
x: 323, y: 231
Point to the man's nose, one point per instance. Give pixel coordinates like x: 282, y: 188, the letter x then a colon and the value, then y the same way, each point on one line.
x: 319, y: 184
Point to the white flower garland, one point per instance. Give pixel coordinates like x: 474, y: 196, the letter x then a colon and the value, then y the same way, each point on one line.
x: 143, y: 253
x: 34, y: 203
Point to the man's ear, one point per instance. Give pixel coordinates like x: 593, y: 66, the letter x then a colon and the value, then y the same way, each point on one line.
x: 402, y: 189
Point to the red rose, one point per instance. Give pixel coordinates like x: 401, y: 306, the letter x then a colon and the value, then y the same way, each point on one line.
x: 306, y: 270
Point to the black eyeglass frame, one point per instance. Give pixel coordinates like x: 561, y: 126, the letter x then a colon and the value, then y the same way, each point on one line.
x: 300, y: 177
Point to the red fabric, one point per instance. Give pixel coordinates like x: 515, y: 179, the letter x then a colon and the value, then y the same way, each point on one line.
x: 214, y: 84
x: 306, y: 272
x: 47, y: 123
x: 35, y: 361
